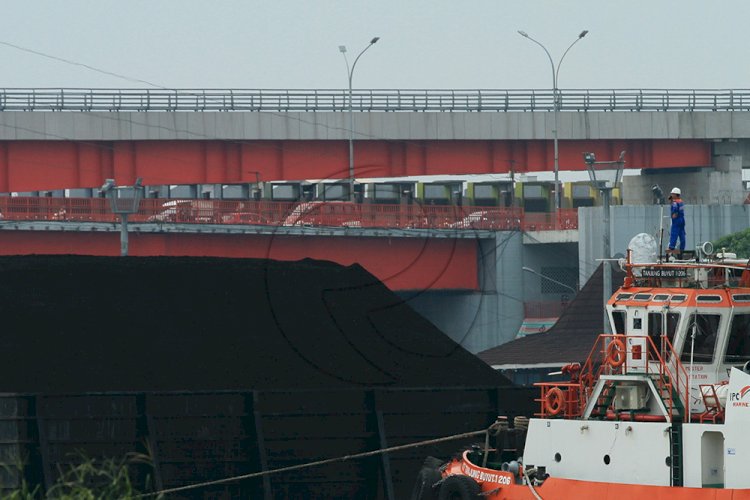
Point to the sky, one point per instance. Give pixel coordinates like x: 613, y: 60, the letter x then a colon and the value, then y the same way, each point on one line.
x: 437, y: 44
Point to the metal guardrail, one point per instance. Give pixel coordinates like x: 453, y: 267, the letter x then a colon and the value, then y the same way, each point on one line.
x: 289, y: 214
x: 427, y: 100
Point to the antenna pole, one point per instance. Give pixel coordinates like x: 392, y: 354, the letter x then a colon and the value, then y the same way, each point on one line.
x: 661, y: 231
x: 690, y: 375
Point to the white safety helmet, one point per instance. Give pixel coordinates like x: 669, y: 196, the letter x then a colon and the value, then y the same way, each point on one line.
x: 676, y: 191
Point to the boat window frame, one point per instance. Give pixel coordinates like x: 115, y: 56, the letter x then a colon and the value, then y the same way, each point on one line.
x: 621, y: 314
x: 745, y: 342
x: 673, y: 319
x: 709, y: 299
x: 718, y: 336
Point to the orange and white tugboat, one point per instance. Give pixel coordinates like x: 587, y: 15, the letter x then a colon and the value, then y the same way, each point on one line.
x: 660, y: 410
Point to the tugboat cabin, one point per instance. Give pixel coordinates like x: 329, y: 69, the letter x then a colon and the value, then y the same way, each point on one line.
x: 701, y: 309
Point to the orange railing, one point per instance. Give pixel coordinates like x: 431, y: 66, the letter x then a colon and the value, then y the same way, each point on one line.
x: 566, y: 218
x: 300, y: 214
x: 609, y: 356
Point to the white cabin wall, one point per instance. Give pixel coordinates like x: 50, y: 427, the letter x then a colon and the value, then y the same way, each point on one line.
x: 637, y: 456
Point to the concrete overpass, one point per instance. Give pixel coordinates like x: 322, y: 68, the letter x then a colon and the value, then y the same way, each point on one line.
x: 72, y: 138
x: 75, y: 138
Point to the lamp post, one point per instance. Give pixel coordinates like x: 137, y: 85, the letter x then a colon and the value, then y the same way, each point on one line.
x: 350, y: 76
x: 605, y: 176
x: 528, y: 269
x: 124, y: 201
x: 556, y: 104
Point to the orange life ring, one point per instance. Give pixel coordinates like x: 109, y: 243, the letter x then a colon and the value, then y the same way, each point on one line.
x: 615, y: 353
x: 553, y: 401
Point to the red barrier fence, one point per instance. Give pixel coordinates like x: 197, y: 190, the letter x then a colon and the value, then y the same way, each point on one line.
x: 289, y: 214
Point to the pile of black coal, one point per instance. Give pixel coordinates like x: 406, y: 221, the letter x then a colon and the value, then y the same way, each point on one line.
x: 82, y: 324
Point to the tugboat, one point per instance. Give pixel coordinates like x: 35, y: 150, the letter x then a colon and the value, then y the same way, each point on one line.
x: 658, y: 410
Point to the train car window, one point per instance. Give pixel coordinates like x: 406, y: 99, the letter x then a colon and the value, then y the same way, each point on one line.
x: 435, y: 192
x: 532, y: 192
x: 619, y: 319
x: 485, y: 192
x: 706, y: 333
x: 738, y: 347
x: 581, y: 191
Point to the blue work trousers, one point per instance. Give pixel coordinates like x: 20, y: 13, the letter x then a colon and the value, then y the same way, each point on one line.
x: 677, y: 231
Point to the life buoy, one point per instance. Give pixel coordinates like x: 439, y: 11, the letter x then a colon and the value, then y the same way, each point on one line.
x: 553, y: 401
x: 615, y: 353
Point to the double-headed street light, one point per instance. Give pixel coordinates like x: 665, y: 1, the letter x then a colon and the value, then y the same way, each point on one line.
x: 350, y: 75
x: 556, y: 103
x: 605, y: 176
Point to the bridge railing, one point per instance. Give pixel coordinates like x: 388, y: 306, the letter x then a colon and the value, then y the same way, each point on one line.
x: 415, y: 100
x: 288, y: 214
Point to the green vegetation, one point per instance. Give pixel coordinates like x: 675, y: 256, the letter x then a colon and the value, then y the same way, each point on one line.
x: 108, y: 479
x: 738, y: 243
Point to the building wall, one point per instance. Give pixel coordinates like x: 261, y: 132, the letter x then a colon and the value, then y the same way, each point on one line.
x: 702, y: 223
x: 492, y: 316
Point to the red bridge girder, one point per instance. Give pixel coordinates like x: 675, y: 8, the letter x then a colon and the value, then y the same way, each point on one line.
x: 400, y: 263
x: 47, y: 165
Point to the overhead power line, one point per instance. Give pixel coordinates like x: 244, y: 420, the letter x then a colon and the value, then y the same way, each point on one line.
x: 75, y: 63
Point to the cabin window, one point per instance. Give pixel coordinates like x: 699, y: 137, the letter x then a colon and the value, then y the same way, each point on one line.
x: 738, y: 348
x: 706, y: 330
x: 661, y: 297
x: 678, y: 298
x: 655, y: 323
x: 619, y: 319
x: 708, y: 298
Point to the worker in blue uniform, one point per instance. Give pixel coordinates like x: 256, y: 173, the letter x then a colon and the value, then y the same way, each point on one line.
x: 677, y: 212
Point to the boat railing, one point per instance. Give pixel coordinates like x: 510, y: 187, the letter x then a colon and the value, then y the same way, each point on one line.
x: 609, y: 357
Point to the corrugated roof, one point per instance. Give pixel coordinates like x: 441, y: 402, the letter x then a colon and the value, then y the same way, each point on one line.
x: 569, y: 340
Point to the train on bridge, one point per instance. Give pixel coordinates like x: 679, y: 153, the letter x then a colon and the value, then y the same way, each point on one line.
x: 394, y: 203
x: 529, y: 193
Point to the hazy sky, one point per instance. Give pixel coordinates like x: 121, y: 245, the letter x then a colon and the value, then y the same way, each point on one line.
x: 424, y: 44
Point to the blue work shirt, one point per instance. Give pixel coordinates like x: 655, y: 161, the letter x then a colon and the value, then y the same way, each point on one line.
x: 678, y: 212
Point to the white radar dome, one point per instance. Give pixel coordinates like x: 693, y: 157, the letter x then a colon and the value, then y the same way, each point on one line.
x: 643, y: 250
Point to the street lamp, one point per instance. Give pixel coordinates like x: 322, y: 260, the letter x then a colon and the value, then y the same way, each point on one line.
x: 350, y: 75
x: 124, y: 201
x: 556, y: 103
x: 528, y: 269
x: 605, y: 176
